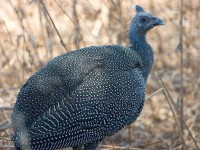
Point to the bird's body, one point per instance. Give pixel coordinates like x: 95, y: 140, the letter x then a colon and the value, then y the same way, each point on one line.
x: 81, y: 97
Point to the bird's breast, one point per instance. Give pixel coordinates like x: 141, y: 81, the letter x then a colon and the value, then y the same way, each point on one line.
x: 118, y: 95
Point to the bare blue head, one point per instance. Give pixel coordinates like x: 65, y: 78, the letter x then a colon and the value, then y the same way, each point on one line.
x: 141, y: 24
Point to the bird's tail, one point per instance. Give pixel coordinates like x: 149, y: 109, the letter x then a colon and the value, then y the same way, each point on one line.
x: 21, y: 142
x: 14, y: 139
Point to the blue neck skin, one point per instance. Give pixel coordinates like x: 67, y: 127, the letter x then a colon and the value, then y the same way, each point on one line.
x: 138, y: 41
x: 136, y: 38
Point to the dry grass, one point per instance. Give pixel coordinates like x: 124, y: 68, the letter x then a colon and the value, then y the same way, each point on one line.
x: 28, y: 40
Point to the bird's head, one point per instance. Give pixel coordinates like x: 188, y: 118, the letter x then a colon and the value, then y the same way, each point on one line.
x: 143, y: 22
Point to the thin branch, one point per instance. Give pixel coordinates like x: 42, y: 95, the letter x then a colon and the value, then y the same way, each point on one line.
x: 20, y: 17
x: 129, y: 136
x: 158, y: 91
x: 121, y: 148
x: 5, y: 138
x: 65, y: 12
x: 7, y: 146
x: 174, y: 114
x: 42, y: 30
x: 173, y: 105
x: 176, y: 120
x: 152, y: 143
x: 132, y: 148
x: 63, y: 44
x: 74, y: 22
x: 9, y: 35
x: 181, y: 63
x: 6, y: 124
x: 5, y: 100
x: 77, y: 29
x: 6, y: 108
x: 4, y: 127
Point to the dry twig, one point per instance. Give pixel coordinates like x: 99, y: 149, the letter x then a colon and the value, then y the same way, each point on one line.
x: 6, y: 108
x: 62, y: 42
x: 175, y: 111
x: 181, y: 66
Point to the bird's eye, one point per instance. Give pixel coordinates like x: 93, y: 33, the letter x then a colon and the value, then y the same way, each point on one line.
x: 143, y: 19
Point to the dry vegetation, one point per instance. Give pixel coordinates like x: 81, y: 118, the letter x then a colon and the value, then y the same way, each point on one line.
x: 28, y: 40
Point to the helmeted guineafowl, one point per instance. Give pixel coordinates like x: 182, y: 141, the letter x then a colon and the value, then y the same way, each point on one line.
x: 82, y: 96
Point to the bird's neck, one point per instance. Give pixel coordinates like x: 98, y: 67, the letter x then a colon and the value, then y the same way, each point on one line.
x: 136, y: 38
x: 140, y: 45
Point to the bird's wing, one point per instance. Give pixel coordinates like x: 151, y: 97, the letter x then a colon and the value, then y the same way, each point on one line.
x: 51, y: 84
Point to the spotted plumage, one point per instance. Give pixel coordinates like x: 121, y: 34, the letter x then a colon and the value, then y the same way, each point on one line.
x: 82, y: 96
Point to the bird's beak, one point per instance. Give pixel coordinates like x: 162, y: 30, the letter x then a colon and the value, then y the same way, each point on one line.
x: 157, y: 21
